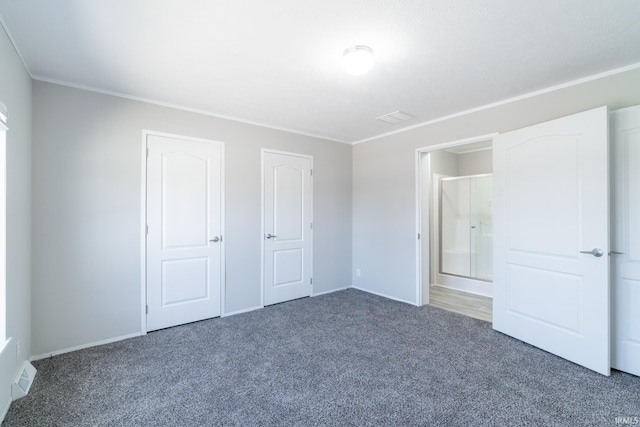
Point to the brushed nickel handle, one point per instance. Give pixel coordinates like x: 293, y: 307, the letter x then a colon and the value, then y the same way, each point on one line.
x: 215, y: 239
x: 269, y: 236
x: 615, y: 253
x: 596, y: 252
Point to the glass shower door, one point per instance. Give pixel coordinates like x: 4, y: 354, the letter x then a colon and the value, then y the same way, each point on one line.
x: 466, y: 228
x: 455, y: 240
x: 481, y: 228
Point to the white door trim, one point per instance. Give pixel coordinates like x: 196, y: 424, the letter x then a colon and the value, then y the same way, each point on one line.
x: 143, y: 232
x: 143, y: 221
x: 421, y: 235
x: 424, y: 234
x: 287, y: 153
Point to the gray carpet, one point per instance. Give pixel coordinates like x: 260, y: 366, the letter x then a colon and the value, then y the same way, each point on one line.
x: 343, y: 359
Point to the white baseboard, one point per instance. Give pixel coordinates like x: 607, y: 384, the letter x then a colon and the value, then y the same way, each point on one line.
x: 244, y: 310
x: 317, y: 294
x: 83, y: 346
x: 5, y: 410
x: 385, y: 296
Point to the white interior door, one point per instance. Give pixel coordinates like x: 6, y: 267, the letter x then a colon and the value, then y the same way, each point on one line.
x: 287, y: 196
x: 551, y: 206
x: 625, y: 231
x: 184, y: 237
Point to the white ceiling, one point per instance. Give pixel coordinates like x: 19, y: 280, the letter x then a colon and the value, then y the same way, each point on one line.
x: 277, y: 63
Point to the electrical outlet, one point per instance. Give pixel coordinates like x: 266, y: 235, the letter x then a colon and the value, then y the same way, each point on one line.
x: 18, y: 350
x: 358, y: 272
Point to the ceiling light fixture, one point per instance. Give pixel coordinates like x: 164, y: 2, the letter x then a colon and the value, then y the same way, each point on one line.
x: 357, y: 60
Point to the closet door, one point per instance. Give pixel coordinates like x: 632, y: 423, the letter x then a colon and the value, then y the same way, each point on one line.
x: 625, y: 231
x: 551, y: 221
x: 184, y: 239
x: 288, y: 214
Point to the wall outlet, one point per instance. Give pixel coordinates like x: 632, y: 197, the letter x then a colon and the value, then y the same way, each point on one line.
x: 358, y: 272
x: 18, y: 350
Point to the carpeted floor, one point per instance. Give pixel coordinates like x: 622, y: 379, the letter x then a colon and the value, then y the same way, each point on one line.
x: 343, y: 359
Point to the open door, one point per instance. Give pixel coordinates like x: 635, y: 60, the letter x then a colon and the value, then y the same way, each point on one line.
x: 625, y: 229
x: 551, y: 213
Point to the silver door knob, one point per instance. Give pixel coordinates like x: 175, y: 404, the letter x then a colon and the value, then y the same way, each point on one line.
x: 615, y: 253
x: 596, y: 252
x: 269, y: 236
x: 215, y: 239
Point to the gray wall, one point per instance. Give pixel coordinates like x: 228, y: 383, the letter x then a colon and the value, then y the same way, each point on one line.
x: 444, y: 163
x: 475, y: 163
x: 384, y: 194
x: 15, y: 93
x: 87, y: 210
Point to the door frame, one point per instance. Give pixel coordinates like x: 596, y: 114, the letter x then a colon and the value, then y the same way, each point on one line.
x: 422, y: 235
x: 263, y: 151
x: 143, y: 220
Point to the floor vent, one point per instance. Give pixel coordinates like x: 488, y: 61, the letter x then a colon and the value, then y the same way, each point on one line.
x: 395, y: 117
x: 23, y: 381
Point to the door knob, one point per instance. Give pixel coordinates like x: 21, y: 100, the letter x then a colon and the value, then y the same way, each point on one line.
x: 596, y: 252
x: 215, y: 239
x: 615, y: 253
x: 269, y: 236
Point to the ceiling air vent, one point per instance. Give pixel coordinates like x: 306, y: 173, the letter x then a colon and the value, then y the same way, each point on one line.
x: 395, y: 117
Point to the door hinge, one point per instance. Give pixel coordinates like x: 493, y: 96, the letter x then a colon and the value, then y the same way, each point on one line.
x: 311, y: 226
x: 311, y: 281
x: 146, y: 229
x: 147, y: 153
x: 146, y: 309
x: 418, y: 236
x: 311, y: 172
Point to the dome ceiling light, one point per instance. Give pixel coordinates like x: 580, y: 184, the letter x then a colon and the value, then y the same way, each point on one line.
x: 357, y: 60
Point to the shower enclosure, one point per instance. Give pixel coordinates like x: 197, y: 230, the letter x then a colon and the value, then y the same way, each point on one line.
x: 466, y: 241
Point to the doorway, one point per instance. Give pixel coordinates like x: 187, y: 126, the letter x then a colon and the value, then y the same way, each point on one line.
x: 455, y: 193
x: 551, y: 236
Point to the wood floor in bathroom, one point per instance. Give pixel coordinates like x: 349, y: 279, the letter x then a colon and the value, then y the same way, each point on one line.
x: 471, y: 305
